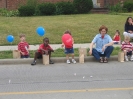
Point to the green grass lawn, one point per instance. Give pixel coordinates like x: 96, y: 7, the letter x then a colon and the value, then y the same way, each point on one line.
x: 57, y: 53
x: 83, y: 27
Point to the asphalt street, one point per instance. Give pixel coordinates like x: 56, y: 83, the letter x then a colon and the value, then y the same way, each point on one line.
x: 91, y: 80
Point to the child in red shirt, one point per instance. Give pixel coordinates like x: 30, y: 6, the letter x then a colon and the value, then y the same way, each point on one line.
x: 117, y: 38
x: 127, y: 48
x: 23, y: 47
x: 69, y: 49
x: 43, y: 49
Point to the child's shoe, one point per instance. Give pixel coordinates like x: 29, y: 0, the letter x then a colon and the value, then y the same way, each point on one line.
x: 33, y: 63
x: 73, y: 60
x: 51, y: 62
x: 68, y: 62
x: 126, y: 58
x: 131, y: 59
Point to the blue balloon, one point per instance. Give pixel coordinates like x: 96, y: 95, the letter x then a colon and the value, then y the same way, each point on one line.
x: 40, y: 31
x: 10, y: 38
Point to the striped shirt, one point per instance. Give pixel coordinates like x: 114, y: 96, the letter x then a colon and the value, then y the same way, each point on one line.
x: 23, y: 47
x: 126, y: 45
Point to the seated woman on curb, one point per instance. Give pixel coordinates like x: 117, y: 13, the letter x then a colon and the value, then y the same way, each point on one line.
x: 104, y: 46
x: 129, y: 27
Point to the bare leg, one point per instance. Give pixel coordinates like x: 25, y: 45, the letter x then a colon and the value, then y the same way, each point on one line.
x: 49, y: 54
x: 67, y: 56
x: 72, y: 56
x: 125, y: 52
x: 50, y: 61
x: 35, y: 58
x: 37, y: 54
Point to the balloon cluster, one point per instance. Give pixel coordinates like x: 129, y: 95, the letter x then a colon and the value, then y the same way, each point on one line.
x: 40, y: 31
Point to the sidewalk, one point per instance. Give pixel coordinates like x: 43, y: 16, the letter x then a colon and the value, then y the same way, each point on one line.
x: 54, y: 46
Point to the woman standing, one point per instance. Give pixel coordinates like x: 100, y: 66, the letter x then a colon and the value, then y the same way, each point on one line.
x: 129, y: 27
x: 104, y: 46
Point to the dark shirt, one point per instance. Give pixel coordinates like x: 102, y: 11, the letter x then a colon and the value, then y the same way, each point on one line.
x: 128, y: 27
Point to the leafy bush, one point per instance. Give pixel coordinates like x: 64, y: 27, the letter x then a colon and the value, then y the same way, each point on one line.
x: 64, y: 8
x: 26, y: 10
x: 46, y: 9
x: 116, y: 8
x: 128, y: 4
x: 83, y: 6
x: 7, y: 13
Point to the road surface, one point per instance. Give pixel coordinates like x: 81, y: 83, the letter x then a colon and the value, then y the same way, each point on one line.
x: 91, y: 80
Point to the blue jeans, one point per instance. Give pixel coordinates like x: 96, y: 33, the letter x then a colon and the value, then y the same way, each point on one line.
x: 107, y: 52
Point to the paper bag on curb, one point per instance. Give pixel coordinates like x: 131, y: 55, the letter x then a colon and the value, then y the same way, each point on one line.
x: 83, y: 51
x: 82, y: 54
x: 16, y: 54
x: 121, y: 57
x: 45, y: 59
x: 81, y: 58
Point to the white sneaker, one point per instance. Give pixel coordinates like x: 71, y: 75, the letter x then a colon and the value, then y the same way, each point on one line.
x: 131, y: 59
x: 68, y: 62
x: 126, y: 58
x: 73, y: 60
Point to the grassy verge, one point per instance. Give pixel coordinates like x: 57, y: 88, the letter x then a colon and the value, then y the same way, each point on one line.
x: 83, y: 27
x: 57, y: 53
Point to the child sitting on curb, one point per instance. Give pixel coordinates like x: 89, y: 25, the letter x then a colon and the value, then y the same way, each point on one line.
x: 43, y: 49
x: 69, y: 48
x: 117, y: 38
x: 23, y: 47
x: 127, y: 48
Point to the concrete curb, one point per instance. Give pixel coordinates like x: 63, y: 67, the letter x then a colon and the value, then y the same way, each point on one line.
x: 55, y: 59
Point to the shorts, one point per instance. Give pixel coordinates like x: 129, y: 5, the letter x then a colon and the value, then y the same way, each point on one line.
x: 129, y: 53
x: 25, y: 56
x: 39, y: 55
x: 69, y: 50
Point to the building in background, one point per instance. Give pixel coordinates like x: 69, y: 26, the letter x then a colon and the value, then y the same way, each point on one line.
x: 14, y: 4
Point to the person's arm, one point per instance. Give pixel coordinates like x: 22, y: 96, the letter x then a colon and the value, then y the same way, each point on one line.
x: 27, y: 47
x: 62, y: 45
x: 92, y: 43
x: 91, y: 46
x: 108, y: 44
x: 72, y: 41
x: 50, y: 49
x: 122, y: 46
x: 19, y: 49
x: 132, y: 28
x: 41, y: 49
x: 126, y: 28
x: 114, y: 37
x: 119, y: 38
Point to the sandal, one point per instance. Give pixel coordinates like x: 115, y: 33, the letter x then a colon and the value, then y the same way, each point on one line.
x: 105, y: 60
x: 101, y: 60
